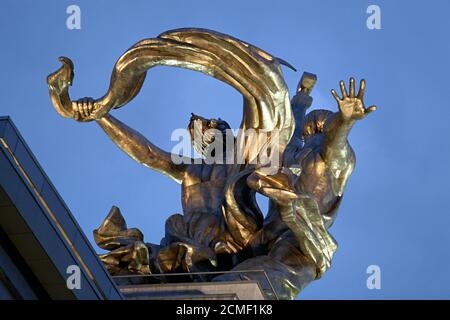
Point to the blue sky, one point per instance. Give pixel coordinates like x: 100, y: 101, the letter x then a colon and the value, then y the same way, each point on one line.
x: 396, y: 209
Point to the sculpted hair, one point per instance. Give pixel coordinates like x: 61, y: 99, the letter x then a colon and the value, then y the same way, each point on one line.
x: 314, y: 122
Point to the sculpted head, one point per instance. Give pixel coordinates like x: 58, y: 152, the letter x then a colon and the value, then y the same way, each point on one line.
x: 204, y: 132
x: 314, y: 123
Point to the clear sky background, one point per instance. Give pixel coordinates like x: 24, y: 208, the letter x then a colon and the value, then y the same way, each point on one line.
x: 395, y: 212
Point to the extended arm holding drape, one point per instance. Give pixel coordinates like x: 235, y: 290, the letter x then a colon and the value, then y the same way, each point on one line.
x: 140, y: 149
x: 253, y: 72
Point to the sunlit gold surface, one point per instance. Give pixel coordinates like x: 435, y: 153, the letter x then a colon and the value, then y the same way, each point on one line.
x: 222, y: 227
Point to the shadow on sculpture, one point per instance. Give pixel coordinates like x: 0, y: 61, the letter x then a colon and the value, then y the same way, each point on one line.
x: 222, y: 227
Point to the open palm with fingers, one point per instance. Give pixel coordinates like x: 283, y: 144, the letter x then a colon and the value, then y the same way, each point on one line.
x: 351, y: 105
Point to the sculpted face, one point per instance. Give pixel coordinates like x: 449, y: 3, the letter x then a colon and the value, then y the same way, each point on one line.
x: 203, y: 132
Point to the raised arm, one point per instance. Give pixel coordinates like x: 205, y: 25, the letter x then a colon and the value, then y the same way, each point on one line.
x: 140, y: 149
x: 336, y: 150
x: 133, y: 143
x: 302, y: 101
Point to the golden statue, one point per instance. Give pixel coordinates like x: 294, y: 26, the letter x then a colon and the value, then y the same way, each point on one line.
x: 222, y: 227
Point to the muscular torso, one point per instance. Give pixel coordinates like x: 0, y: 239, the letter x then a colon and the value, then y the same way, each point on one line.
x: 202, y: 222
x: 203, y: 188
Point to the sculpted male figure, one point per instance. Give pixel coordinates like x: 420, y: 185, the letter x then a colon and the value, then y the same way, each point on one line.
x: 200, y: 233
x: 201, y: 226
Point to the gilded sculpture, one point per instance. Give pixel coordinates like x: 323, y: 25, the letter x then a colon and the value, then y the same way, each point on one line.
x: 222, y: 227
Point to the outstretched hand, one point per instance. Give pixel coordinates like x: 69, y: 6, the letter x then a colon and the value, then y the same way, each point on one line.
x: 351, y: 106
